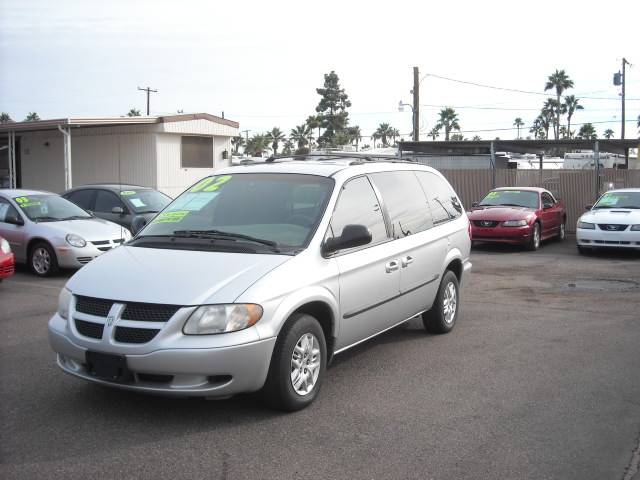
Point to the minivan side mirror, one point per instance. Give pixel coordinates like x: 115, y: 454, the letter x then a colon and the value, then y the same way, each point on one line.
x: 13, y: 219
x: 352, y: 236
x: 137, y: 224
x: 588, y: 207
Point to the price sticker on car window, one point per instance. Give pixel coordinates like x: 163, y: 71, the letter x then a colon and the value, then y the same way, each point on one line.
x: 25, y: 202
x: 171, y: 217
x: 492, y: 195
x: 211, y: 184
x: 126, y: 193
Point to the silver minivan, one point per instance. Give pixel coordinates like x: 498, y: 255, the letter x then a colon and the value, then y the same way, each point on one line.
x: 255, y: 277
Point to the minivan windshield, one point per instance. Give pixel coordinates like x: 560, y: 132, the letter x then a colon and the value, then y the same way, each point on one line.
x: 619, y: 200
x: 50, y: 208
x: 510, y: 198
x: 261, y: 210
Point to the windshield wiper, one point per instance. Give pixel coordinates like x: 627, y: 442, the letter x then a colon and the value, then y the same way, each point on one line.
x: 46, y: 219
x: 629, y: 206
x: 221, y: 234
x: 76, y: 217
x: 511, y: 205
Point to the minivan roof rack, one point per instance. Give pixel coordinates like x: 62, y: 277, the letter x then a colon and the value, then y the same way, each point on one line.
x: 359, y: 158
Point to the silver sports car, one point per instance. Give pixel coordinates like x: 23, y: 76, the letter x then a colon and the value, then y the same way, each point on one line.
x: 47, y: 232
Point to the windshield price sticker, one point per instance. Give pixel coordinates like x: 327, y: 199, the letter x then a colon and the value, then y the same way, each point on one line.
x: 492, y: 195
x: 25, y: 202
x: 171, y: 217
x: 511, y: 191
x: 127, y: 192
x: 211, y: 184
x: 612, y: 199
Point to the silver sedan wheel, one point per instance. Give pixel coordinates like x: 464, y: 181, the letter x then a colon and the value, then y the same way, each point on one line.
x: 305, y: 364
x: 450, y: 303
x: 41, y: 260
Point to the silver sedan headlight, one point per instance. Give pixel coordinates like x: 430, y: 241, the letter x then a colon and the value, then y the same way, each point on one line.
x: 514, y: 223
x: 586, y: 225
x: 212, y: 319
x: 76, y: 240
x: 64, y: 301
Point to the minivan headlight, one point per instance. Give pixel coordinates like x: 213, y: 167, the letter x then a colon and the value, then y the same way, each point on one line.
x: 64, y: 300
x: 514, y: 223
x: 212, y: 319
x: 76, y: 240
x: 635, y: 228
x: 586, y: 225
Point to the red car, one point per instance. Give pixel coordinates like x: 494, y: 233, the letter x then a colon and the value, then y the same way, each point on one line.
x: 521, y: 216
x: 7, y: 262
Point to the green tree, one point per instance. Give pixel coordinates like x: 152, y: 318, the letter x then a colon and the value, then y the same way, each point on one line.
x: 384, y: 132
x: 587, y: 131
x: 332, y: 109
x: 559, y: 81
x: 287, y: 148
x: 457, y: 137
x: 237, y: 142
x: 434, y: 133
x: 300, y: 135
x: 5, y: 118
x: 477, y: 138
x: 563, y: 132
x: 275, y: 136
x: 134, y: 112
x: 256, y: 145
x: 313, y: 121
x: 518, y: 123
x: 547, y: 116
x: 572, y: 106
x: 355, y: 134
x: 449, y: 121
x: 32, y: 117
x: 608, y: 133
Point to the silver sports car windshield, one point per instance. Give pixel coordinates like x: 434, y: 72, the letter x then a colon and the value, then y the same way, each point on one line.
x: 266, y: 209
x: 49, y: 208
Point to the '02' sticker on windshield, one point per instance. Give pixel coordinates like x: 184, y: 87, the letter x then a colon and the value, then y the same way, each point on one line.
x: 211, y: 184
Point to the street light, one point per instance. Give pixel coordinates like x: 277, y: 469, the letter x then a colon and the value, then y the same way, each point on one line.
x: 402, y: 105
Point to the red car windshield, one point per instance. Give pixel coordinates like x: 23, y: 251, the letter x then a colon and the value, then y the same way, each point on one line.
x: 510, y: 198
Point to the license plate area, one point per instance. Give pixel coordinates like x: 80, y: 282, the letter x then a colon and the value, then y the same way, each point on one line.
x: 107, y: 366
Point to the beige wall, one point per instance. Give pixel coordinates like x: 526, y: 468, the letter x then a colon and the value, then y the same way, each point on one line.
x: 42, y: 165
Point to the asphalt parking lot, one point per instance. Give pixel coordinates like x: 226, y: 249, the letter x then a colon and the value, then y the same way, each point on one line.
x: 539, y: 380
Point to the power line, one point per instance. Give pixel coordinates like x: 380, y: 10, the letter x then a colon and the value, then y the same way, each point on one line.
x: 148, y: 90
x: 515, y: 90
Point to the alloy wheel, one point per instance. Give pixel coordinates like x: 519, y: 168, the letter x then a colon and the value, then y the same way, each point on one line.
x: 450, y: 303
x: 305, y: 364
x: 41, y: 260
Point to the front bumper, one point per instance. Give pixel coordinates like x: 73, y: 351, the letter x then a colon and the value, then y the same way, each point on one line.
x: 74, y: 257
x: 207, y: 372
x: 7, y: 265
x: 500, y: 234
x: 602, y: 238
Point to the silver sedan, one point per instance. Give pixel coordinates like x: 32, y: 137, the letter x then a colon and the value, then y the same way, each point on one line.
x: 46, y: 231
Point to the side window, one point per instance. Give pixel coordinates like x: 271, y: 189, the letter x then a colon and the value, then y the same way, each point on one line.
x: 443, y: 202
x: 546, y: 198
x: 405, y: 201
x: 106, y: 201
x: 358, y: 204
x: 82, y: 198
x: 7, y: 210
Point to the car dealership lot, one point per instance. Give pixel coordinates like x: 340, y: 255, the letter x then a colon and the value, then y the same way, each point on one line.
x: 539, y: 379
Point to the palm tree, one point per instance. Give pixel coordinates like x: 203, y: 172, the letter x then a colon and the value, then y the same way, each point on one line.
x: 32, y: 117
x: 300, y: 134
x: 560, y: 81
x: 563, y: 132
x: 449, y: 121
x: 356, y: 135
x: 548, y: 117
x: 608, y: 133
x: 237, y: 142
x: 314, y: 121
x: 393, y: 133
x: 434, y: 133
x: 134, y: 112
x: 518, y: 123
x: 476, y: 138
x: 5, y: 118
x: 287, y: 147
x: 457, y: 137
x: 572, y: 106
x: 275, y: 136
x: 256, y: 145
x: 587, y: 131
x: 383, y: 132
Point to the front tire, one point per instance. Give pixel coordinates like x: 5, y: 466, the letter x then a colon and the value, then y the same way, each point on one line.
x: 298, y: 364
x: 441, y: 318
x: 42, y: 260
x: 584, y: 250
x: 562, y: 232
x: 534, y: 241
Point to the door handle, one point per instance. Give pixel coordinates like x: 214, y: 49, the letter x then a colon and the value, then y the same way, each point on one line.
x: 391, y: 266
x: 406, y: 261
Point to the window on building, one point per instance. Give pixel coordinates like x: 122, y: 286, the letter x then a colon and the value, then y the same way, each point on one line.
x: 197, y: 152
x: 405, y: 201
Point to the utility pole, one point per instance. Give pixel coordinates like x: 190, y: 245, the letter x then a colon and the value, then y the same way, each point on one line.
x: 624, y: 81
x: 416, y: 105
x: 148, y: 90
x: 246, y: 134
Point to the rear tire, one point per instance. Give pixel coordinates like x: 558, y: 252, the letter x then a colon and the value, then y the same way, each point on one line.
x: 534, y: 241
x: 562, y: 233
x: 298, y: 364
x: 42, y: 260
x: 441, y: 318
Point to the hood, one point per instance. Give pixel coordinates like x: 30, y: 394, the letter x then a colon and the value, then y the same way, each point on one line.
x: 625, y: 216
x: 93, y: 229
x: 500, y: 213
x: 178, y: 277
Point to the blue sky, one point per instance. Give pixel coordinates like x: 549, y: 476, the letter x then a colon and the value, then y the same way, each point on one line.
x: 260, y: 62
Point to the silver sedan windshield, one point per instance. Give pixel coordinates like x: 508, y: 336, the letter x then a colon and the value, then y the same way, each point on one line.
x: 49, y: 208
